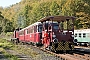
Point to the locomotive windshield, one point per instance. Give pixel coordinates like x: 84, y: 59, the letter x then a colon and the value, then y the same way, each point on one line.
x: 56, y: 27
x: 66, y: 25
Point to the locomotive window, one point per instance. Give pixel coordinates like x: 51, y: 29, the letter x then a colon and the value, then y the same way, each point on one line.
x: 61, y: 25
x: 84, y: 35
x: 49, y: 27
x: 65, y: 25
x: 46, y: 26
x: 75, y: 35
x: 70, y: 24
x: 79, y: 34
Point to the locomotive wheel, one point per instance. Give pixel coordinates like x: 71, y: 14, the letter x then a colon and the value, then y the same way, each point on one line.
x: 49, y: 48
x: 12, y: 41
x: 78, y: 44
x: 37, y: 45
x: 70, y: 51
x: 23, y: 43
x: 87, y: 45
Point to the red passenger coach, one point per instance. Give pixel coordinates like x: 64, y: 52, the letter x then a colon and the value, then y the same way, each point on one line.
x: 22, y: 35
x: 31, y: 34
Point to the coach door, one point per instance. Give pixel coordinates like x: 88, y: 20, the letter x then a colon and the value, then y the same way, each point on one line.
x: 35, y: 29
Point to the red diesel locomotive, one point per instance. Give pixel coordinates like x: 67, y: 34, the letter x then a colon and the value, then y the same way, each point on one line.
x: 54, y: 32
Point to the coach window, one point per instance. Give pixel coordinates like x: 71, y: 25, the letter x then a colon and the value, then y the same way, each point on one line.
x: 75, y: 35
x: 31, y: 30
x: 21, y: 32
x: 35, y: 29
x: 26, y: 31
x: 84, y: 35
x: 39, y: 28
x: 79, y: 34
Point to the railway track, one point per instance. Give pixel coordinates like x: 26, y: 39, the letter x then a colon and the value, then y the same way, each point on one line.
x: 76, y: 55
x: 67, y: 56
x: 82, y: 47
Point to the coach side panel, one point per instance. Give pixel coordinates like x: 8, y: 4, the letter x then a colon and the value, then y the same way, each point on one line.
x: 21, y: 35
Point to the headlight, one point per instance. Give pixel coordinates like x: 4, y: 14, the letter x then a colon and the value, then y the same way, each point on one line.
x: 72, y: 35
x: 54, y: 36
x: 55, y: 40
x: 75, y: 40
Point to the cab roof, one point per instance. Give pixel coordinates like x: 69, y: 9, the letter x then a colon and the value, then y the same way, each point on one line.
x: 56, y: 18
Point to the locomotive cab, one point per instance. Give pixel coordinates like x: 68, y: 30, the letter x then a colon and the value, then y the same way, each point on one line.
x: 60, y: 31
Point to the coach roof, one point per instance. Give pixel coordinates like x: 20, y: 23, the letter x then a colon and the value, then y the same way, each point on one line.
x: 36, y: 23
x: 56, y: 18
x: 82, y: 31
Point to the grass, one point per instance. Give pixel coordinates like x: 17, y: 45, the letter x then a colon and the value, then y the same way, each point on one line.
x: 4, y: 44
x: 7, y: 45
x: 9, y: 56
x: 27, y: 51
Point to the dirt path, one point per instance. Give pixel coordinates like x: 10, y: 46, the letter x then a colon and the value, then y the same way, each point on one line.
x: 31, y: 53
x: 37, y: 54
x: 2, y: 57
x: 23, y: 52
x: 19, y: 55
